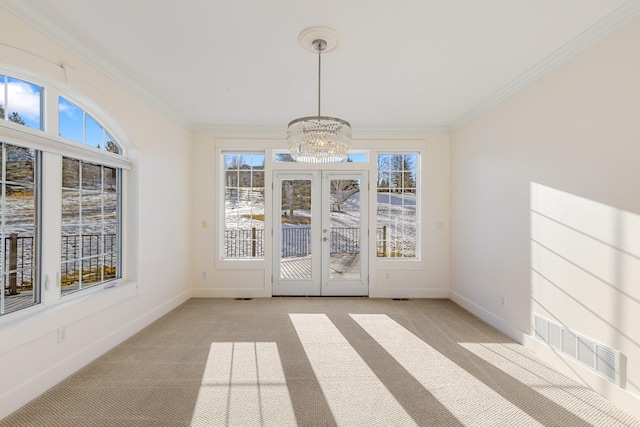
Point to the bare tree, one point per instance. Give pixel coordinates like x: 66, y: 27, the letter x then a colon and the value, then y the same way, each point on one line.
x: 296, y: 194
x: 13, y: 117
x: 342, y: 190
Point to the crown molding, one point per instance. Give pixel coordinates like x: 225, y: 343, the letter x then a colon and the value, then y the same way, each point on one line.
x: 40, y: 22
x: 600, y: 30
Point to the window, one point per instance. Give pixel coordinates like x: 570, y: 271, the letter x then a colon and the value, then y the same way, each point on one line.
x: 89, y: 246
x: 75, y: 124
x: 19, y: 220
x: 397, y: 210
x: 243, y: 206
x: 21, y: 102
x: 90, y: 224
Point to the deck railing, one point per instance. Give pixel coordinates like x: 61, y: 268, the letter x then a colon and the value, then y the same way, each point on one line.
x: 18, y: 261
x: 97, y: 263
x: 244, y: 243
x: 296, y: 241
x: 19, y: 257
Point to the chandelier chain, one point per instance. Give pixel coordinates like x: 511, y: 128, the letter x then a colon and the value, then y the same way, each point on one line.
x: 319, y: 47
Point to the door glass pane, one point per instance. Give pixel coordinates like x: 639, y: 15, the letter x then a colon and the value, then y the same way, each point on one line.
x: 295, y: 220
x: 344, y: 218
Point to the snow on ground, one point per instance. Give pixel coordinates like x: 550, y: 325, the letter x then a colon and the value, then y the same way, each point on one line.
x: 395, y: 211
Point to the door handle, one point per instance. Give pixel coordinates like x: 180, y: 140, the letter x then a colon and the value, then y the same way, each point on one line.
x: 324, y: 239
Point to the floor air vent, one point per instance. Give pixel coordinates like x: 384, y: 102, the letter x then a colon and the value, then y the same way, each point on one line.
x: 599, y: 358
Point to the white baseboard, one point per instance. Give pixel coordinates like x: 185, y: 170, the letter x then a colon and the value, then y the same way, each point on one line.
x: 17, y: 397
x: 489, y: 317
x: 151, y: 316
x: 260, y: 293
x: 229, y: 293
x: 410, y: 293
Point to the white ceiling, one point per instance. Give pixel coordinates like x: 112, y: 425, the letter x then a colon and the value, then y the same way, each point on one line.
x: 400, y: 65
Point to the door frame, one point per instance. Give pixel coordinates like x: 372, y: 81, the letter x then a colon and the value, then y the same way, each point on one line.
x: 320, y: 282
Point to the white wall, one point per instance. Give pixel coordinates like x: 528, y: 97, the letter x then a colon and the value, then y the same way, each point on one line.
x: 545, y: 208
x: 426, y: 278
x: 156, y: 224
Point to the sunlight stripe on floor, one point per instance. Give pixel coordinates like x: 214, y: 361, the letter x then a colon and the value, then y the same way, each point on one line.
x: 355, y: 395
x: 516, y: 361
x: 243, y: 384
x: 468, y: 399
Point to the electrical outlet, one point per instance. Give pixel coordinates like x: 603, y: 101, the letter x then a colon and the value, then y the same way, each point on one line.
x: 62, y: 334
x: 503, y: 301
x: 203, y: 275
x: 387, y: 275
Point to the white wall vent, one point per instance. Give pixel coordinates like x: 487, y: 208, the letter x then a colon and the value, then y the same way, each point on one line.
x: 597, y: 357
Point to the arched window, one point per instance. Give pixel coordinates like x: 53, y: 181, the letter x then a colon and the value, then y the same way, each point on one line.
x: 77, y: 125
x: 76, y: 159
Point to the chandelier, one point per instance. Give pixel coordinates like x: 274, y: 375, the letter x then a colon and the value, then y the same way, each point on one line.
x: 319, y: 139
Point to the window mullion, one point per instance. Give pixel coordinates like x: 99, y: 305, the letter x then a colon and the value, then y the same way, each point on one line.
x: 49, y: 106
x: 51, y: 226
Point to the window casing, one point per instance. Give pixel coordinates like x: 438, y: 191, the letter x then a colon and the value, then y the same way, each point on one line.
x: 244, y: 206
x: 397, y: 217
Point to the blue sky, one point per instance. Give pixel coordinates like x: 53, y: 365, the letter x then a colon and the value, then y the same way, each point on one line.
x: 23, y: 98
x: 71, y: 119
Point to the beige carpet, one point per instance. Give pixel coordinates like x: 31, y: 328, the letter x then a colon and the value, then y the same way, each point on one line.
x: 318, y: 362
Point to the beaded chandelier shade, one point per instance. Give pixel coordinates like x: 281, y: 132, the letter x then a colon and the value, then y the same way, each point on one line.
x: 319, y: 139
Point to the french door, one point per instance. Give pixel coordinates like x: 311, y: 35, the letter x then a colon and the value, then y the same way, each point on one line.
x: 320, y: 233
